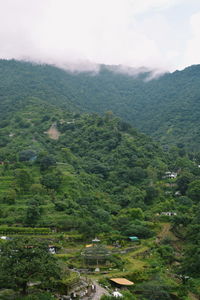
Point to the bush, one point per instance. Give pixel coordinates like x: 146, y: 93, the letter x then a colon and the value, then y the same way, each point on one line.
x: 139, y: 230
x: 23, y: 230
x: 40, y: 296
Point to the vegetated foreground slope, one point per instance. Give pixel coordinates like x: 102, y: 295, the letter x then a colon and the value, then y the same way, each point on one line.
x: 101, y: 177
x: 166, y: 108
x: 95, y: 168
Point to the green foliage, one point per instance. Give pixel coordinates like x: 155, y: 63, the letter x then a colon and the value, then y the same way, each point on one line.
x: 23, y: 179
x: 23, y: 230
x: 37, y: 189
x: 37, y: 296
x: 26, y: 260
x: 27, y: 155
x: 167, y: 253
x: 52, y: 180
x: 46, y: 162
x: 127, y: 295
x: 33, y: 212
x: 191, y: 264
x: 138, y: 229
x: 183, y: 181
x: 194, y: 190
x: 9, y: 197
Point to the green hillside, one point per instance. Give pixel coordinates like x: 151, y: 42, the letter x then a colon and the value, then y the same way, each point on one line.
x: 89, y: 165
x: 167, y: 108
x: 67, y: 176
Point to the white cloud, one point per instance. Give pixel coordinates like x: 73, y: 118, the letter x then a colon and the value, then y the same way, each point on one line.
x: 140, y: 6
x: 192, y: 53
x: 79, y: 34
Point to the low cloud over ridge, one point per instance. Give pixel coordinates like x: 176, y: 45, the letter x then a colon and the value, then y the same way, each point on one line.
x: 79, y: 35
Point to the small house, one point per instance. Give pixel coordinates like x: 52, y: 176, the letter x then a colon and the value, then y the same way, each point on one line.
x: 52, y: 249
x: 5, y: 238
x: 177, y: 193
x: 168, y: 213
x: 117, y: 294
x: 170, y: 175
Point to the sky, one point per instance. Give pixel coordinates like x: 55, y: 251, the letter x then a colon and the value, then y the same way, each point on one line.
x: 80, y: 34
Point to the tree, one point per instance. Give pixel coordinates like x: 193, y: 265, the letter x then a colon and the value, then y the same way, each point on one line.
x: 183, y: 181
x: 23, y: 179
x: 27, y: 155
x: 191, y: 262
x: 25, y: 260
x: 138, y: 229
x: 9, y: 197
x: 137, y: 174
x: 46, y: 162
x: 52, y: 180
x: 193, y: 191
x: 37, y: 189
x: 33, y: 212
x: 167, y: 253
x: 154, y: 290
x: 134, y: 197
x: 151, y: 194
x: 131, y: 214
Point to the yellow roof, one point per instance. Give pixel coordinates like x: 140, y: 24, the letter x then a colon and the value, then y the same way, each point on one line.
x: 87, y: 246
x: 122, y: 281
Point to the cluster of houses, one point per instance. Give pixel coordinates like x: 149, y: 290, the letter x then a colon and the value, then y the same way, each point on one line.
x: 167, y: 213
x: 51, y: 248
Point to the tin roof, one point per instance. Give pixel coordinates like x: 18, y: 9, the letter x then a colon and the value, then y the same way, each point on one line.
x: 122, y: 281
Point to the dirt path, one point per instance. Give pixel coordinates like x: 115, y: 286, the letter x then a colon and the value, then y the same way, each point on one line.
x: 100, y: 291
x: 53, y: 132
x: 164, y: 232
x: 193, y: 297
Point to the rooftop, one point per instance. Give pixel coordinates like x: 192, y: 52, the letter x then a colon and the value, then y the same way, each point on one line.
x: 122, y: 281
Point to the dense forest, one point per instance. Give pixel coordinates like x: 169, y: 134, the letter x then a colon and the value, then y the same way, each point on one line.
x: 46, y: 148
x: 167, y: 108
x: 68, y: 176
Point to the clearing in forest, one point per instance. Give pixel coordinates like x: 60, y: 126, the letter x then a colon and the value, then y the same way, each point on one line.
x: 53, y: 132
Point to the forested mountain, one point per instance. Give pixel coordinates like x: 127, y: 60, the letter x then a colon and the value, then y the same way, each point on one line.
x: 67, y: 175
x: 167, y: 108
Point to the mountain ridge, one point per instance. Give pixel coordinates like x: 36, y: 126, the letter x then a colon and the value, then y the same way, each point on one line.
x: 167, y: 108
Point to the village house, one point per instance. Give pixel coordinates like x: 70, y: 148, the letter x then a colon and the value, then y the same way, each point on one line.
x: 170, y: 175
x: 168, y: 213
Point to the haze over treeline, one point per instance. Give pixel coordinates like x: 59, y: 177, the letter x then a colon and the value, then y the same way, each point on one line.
x: 79, y: 35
